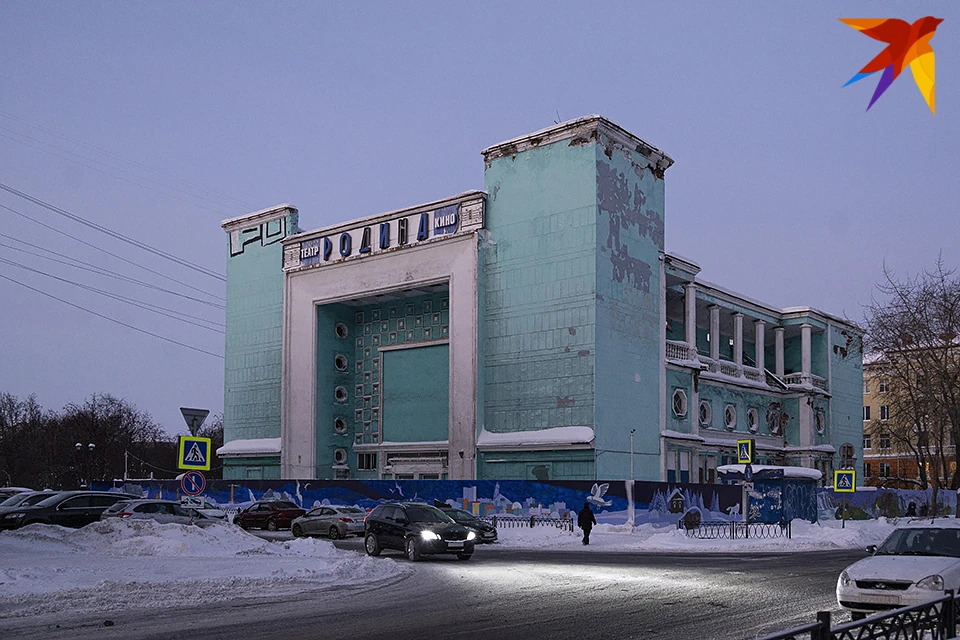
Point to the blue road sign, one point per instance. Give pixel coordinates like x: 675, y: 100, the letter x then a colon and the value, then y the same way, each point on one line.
x: 845, y: 480
x: 748, y: 473
x: 194, y: 453
x: 193, y: 483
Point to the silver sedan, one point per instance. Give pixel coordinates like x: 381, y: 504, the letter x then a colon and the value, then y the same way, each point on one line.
x: 333, y: 521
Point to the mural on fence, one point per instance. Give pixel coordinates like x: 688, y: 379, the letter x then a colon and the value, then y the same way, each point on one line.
x: 612, y: 502
x: 783, y: 499
x: 867, y: 503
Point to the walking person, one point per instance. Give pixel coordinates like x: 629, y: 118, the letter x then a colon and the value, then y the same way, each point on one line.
x: 585, y: 521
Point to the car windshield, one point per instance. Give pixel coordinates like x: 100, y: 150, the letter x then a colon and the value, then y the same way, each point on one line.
x: 426, y: 513
x: 460, y: 516
x: 922, y: 542
x: 281, y: 504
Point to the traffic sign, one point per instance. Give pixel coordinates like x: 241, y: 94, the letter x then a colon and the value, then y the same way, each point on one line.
x: 845, y: 480
x: 193, y: 483
x: 194, y: 453
x: 748, y: 486
x: 748, y: 473
x: 194, y: 418
x: 745, y: 451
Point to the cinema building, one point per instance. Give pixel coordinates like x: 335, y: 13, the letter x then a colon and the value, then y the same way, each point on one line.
x: 533, y: 330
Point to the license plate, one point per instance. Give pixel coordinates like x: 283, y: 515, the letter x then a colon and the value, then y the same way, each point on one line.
x: 454, y: 545
x: 879, y: 599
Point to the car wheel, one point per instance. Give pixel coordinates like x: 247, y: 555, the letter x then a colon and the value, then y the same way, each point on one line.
x: 297, y: 531
x: 413, y: 550
x: 271, y: 525
x: 334, y: 532
x: 463, y: 556
x: 239, y: 523
x: 372, y: 545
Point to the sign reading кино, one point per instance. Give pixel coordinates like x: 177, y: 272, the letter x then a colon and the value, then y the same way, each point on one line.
x: 384, y: 233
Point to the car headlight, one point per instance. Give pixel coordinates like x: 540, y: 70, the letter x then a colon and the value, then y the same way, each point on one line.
x: 14, y: 516
x: 429, y: 535
x: 844, y: 580
x: 471, y: 536
x: 934, y: 583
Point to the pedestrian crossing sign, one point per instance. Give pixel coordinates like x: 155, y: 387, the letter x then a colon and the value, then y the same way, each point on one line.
x: 745, y: 451
x: 845, y: 480
x: 194, y: 453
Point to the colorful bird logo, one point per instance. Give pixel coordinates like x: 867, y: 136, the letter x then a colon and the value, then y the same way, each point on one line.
x: 906, y: 44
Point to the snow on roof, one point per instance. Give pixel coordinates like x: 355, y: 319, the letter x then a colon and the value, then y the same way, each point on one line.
x: 788, y: 472
x: 559, y: 436
x: 264, y: 446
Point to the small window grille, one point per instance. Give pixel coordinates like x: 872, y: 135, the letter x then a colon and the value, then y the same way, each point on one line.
x: 753, y: 420
x: 730, y: 417
x: 679, y: 403
x: 705, y: 413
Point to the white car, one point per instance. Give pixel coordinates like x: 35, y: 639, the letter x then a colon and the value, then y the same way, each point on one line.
x: 912, y: 566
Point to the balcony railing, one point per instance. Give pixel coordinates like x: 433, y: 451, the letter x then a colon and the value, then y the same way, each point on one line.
x: 729, y: 369
x: 680, y: 351
x: 752, y: 373
x: 797, y: 379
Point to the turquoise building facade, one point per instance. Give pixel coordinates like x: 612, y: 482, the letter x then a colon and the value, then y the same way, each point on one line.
x: 537, y: 329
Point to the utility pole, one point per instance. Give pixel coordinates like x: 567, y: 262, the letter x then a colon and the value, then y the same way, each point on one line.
x: 632, y: 431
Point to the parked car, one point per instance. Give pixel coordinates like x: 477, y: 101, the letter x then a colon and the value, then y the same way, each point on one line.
x: 333, y: 521
x: 268, y: 514
x: 417, y: 530
x: 24, y: 498
x: 66, y: 508
x: 913, y: 565
x: 6, y: 492
x: 485, y: 531
x: 162, y: 511
x: 204, y: 508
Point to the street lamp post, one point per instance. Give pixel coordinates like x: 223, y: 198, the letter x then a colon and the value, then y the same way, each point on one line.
x: 86, y: 460
x: 632, y: 431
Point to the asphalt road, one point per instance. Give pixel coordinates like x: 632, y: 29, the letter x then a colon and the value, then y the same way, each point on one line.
x: 510, y: 593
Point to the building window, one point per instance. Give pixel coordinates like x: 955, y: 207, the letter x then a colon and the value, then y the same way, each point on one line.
x: 753, y: 420
x: 866, y: 387
x: 340, y: 425
x: 367, y: 461
x: 884, y: 470
x: 884, y: 440
x: 680, y: 403
x: 341, y: 330
x: 883, y: 386
x: 867, y: 471
x: 820, y: 421
x: 340, y: 362
x: 866, y: 413
x: 847, y: 456
x: 706, y: 414
x: 730, y: 417
x: 341, y: 394
x: 340, y: 456
x: 867, y: 441
x: 884, y: 412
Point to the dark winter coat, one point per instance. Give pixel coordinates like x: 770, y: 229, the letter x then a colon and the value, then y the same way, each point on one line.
x: 585, y: 519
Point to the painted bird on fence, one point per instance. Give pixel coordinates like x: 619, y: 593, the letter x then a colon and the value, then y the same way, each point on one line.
x: 907, y: 44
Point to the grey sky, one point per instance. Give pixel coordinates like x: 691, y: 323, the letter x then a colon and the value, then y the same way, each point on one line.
x: 784, y: 188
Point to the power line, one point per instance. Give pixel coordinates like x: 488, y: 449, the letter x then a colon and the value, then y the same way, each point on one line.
x: 100, y: 315
x: 170, y: 313
x: 113, y: 234
x: 117, y: 156
x: 110, y: 253
x: 97, y: 269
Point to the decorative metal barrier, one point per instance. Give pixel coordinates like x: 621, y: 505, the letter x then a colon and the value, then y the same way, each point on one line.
x: 532, y: 521
x: 732, y: 530
x: 932, y: 620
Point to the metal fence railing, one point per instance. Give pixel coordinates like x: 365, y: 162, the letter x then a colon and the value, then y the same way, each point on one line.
x: 933, y: 620
x: 533, y: 521
x: 712, y: 529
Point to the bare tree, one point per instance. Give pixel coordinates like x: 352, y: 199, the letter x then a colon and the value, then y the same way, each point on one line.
x: 914, y: 330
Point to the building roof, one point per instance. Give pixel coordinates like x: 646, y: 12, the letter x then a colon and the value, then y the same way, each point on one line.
x: 255, y: 446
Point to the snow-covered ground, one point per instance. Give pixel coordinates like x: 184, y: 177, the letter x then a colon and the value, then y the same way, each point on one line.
x: 119, y: 564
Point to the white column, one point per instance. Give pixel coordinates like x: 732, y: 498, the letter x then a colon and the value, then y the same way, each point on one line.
x: 738, y: 339
x: 690, y: 314
x: 758, y: 326
x: 805, y: 358
x: 778, y: 348
x: 714, y: 332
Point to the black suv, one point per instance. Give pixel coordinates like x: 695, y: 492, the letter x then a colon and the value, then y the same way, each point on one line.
x: 485, y: 531
x: 416, y: 529
x: 67, y: 509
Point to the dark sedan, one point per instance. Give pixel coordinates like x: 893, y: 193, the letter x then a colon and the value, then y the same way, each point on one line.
x: 485, y: 531
x: 67, y: 509
x: 417, y: 530
x: 268, y: 514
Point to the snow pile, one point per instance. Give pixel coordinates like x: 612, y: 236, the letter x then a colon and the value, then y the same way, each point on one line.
x: 117, y: 564
x: 806, y: 536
